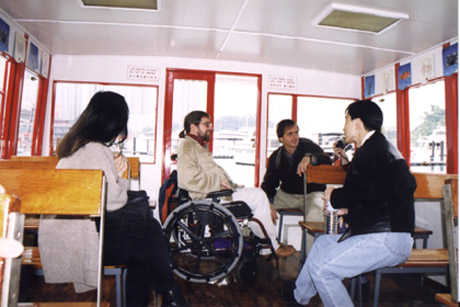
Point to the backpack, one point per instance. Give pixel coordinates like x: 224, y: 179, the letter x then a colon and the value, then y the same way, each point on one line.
x: 169, y: 196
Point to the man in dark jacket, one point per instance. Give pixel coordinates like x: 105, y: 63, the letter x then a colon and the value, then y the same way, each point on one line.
x: 283, y: 182
x: 377, y: 201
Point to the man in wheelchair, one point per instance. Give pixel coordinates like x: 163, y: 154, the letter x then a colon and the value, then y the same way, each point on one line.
x: 199, y: 174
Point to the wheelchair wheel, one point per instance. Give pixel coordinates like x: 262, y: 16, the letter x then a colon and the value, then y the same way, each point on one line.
x: 205, y: 242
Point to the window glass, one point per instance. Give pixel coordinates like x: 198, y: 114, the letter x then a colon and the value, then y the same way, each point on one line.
x: 235, y: 108
x: 321, y: 120
x: 427, y: 119
x: 72, y: 98
x: 27, y: 116
x: 189, y: 95
x: 279, y: 108
x: 387, y: 104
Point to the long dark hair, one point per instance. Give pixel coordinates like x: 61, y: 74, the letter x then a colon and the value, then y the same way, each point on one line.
x: 194, y: 118
x: 104, y: 119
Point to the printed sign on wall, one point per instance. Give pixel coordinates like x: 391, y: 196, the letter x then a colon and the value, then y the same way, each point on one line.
x: 143, y: 73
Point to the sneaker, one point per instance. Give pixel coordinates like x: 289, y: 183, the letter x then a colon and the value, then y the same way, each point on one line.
x: 285, y: 250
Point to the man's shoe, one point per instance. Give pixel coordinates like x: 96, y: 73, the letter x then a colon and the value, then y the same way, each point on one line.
x: 285, y: 250
x: 288, y: 293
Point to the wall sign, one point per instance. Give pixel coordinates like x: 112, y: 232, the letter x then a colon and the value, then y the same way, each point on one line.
x: 282, y: 82
x: 143, y: 73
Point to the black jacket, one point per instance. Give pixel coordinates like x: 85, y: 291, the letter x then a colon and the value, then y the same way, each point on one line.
x: 378, y: 190
x: 281, y: 170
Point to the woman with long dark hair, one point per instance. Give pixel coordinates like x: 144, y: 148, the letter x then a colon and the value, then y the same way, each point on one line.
x: 132, y: 236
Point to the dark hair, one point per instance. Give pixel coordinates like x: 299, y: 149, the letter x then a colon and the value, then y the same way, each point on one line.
x: 194, y: 118
x: 104, y: 119
x: 282, y: 125
x: 369, y: 113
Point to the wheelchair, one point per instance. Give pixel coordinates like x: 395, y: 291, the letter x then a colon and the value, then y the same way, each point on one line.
x: 208, y: 239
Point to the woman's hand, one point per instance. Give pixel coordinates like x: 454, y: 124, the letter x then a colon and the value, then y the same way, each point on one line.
x: 327, y: 197
x: 121, y: 164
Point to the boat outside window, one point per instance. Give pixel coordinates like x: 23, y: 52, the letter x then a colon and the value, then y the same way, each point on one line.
x: 427, y: 119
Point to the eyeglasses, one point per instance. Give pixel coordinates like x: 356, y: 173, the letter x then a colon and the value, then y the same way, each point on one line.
x: 207, y: 124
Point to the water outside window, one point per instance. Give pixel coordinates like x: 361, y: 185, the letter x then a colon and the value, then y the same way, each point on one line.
x: 72, y: 98
x: 427, y: 118
x: 27, y: 117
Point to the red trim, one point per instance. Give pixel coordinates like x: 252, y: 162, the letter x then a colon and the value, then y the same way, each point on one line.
x: 13, y: 108
x: 451, y: 89
x: 363, y: 85
x: 294, y: 108
x: 258, y: 131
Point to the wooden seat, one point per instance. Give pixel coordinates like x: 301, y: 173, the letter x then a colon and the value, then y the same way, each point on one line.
x: 60, y: 192
x: 31, y: 223
x: 451, y: 218
x: 429, y: 187
x: 446, y: 299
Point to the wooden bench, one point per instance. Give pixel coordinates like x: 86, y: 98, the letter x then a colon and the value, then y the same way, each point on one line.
x: 60, y: 192
x: 451, y: 217
x: 429, y: 187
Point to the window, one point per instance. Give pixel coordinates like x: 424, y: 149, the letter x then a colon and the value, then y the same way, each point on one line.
x: 235, y: 109
x: 321, y: 119
x: 427, y: 119
x: 387, y: 104
x: 279, y: 108
x: 72, y: 98
x: 28, y: 110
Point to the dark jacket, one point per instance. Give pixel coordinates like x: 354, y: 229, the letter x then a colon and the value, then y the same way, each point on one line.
x: 378, y: 190
x: 280, y: 169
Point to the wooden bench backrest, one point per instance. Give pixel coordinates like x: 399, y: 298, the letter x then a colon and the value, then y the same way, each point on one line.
x: 50, y: 162
x: 56, y: 191
x: 429, y: 186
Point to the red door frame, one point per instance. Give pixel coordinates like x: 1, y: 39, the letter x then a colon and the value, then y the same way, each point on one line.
x: 171, y: 75
x: 209, y: 76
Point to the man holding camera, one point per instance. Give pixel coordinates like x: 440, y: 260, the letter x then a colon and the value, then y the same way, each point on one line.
x: 283, y: 182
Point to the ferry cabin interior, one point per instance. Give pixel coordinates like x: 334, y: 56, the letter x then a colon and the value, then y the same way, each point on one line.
x: 248, y: 63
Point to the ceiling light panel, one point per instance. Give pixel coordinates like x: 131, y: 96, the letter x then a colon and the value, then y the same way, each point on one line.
x: 123, y: 4
x: 355, y: 18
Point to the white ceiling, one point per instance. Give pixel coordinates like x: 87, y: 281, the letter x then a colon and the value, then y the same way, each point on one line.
x: 278, y: 32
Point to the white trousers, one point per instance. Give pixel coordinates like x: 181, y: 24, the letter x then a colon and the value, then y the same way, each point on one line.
x: 258, y: 202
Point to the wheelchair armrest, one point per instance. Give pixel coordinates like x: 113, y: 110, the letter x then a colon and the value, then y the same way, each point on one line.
x: 218, y: 194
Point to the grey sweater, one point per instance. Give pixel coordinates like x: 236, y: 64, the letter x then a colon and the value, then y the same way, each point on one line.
x: 69, y: 247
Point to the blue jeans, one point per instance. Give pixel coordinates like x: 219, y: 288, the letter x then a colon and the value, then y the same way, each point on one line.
x: 329, y: 262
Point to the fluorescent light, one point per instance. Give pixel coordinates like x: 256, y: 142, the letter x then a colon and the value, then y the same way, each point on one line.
x: 355, y: 18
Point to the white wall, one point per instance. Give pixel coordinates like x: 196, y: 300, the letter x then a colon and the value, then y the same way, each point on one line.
x: 114, y: 69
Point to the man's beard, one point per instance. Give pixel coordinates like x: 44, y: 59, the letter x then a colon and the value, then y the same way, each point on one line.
x: 206, y: 136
